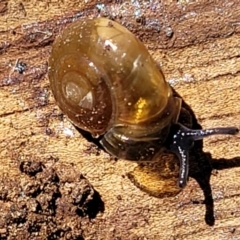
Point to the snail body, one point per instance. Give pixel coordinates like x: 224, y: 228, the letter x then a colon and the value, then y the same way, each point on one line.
x: 106, y: 82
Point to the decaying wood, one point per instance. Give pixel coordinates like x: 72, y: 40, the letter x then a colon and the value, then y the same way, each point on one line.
x: 197, y: 46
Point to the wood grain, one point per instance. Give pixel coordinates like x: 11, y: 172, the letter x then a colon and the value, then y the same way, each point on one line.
x: 197, y: 46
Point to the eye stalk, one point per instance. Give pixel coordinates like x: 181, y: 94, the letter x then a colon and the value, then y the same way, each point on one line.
x: 182, y: 139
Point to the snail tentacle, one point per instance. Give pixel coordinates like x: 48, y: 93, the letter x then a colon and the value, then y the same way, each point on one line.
x: 182, y: 139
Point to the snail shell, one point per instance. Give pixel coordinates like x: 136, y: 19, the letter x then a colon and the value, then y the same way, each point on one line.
x: 106, y: 82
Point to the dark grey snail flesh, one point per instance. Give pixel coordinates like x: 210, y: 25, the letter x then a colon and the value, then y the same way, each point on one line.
x: 106, y: 82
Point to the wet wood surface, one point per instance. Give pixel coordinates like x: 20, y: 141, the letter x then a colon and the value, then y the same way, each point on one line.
x: 197, y: 46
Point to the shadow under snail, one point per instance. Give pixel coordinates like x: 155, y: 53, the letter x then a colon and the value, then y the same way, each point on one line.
x: 106, y: 82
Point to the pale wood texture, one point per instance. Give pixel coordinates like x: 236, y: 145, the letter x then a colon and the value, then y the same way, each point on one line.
x: 200, y: 58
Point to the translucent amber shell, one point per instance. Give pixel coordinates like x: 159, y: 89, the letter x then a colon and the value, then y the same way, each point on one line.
x: 102, y: 76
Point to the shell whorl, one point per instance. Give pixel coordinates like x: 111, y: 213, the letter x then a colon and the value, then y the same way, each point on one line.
x: 101, y: 75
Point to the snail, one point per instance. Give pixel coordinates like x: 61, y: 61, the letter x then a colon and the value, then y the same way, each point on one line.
x: 106, y: 82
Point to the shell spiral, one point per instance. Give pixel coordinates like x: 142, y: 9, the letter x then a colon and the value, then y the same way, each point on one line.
x: 103, y: 77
